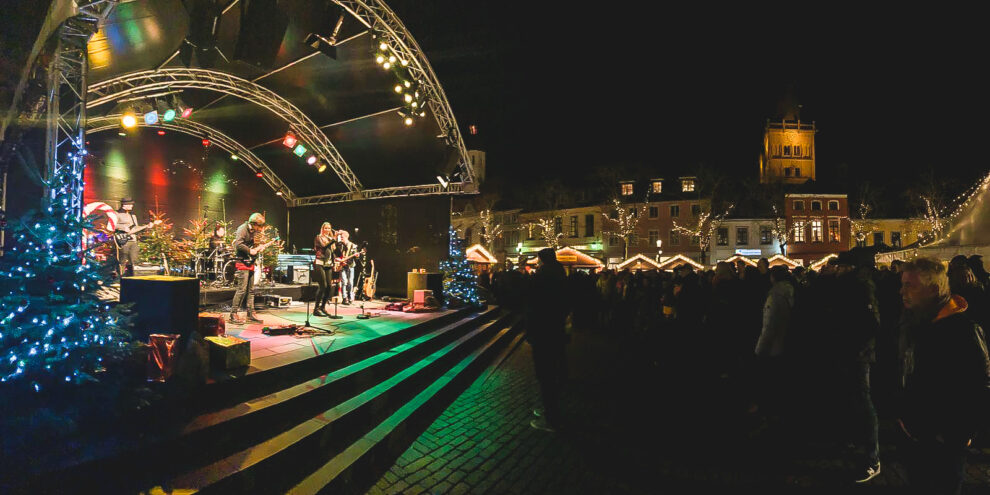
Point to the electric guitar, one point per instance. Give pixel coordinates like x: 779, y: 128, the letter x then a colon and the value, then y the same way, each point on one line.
x: 253, y: 258
x: 340, y: 263
x: 122, y: 238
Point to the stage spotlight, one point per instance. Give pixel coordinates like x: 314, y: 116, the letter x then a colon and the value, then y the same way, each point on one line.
x: 311, y: 160
x: 408, y: 97
x: 391, y: 59
x: 443, y: 181
x: 122, y: 134
x: 151, y: 118
x: 321, y: 168
x: 234, y: 157
x: 129, y: 120
x: 379, y: 59
x: 278, y: 193
x: 206, y: 143
x: 383, y: 47
x: 407, y: 84
x: 290, y: 140
x: 405, y: 62
x: 398, y: 88
x: 387, y: 65
x: 415, y: 104
x: 161, y: 132
x: 300, y: 150
x: 408, y: 121
x: 186, y: 112
x: 168, y: 116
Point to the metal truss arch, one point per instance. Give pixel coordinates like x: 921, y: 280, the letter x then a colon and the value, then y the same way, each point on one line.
x: 218, y: 139
x: 151, y: 81
x: 386, y: 192
x: 381, y: 19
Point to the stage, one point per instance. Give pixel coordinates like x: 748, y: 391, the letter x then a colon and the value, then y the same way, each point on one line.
x: 209, y: 294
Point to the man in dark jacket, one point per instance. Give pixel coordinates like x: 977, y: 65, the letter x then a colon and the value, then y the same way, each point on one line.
x: 546, y: 314
x: 949, y: 391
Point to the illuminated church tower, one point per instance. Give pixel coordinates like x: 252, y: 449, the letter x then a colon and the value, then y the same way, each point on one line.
x: 788, y: 153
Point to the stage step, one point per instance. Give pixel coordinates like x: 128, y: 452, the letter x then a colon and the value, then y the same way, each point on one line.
x: 277, y: 463
x: 230, y: 435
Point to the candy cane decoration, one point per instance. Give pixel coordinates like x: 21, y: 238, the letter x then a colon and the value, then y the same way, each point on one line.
x: 101, y: 208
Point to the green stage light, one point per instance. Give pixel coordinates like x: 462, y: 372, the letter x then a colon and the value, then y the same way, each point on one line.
x: 168, y: 115
x: 300, y: 150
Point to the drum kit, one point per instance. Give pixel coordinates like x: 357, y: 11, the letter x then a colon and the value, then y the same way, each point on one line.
x: 215, y: 266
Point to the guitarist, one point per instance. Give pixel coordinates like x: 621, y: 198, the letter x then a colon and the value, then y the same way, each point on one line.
x: 346, y: 253
x: 128, y: 252
x: 246, y: 251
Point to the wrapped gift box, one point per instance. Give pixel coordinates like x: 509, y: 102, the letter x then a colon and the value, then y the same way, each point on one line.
x: 161, y: 356
x: 229, y: 352
x: 212, y: 325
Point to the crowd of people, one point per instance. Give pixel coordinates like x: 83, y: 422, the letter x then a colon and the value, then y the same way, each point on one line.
x: 834, y: 344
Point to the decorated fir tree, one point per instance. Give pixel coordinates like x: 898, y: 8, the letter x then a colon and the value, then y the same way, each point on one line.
x: 459, y: 280
x: 269, y: 257
x: 54, y: 329
x: 160, y: 245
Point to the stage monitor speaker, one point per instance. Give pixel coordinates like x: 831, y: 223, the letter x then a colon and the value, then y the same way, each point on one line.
x: 162, y: 304
x: 299, y: 274
x: 424, y: 281
x: 263, y: 25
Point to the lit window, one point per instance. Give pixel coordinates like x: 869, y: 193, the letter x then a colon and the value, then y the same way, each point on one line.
x: 816, y: 231
x: 742, y: 236
x: 787, y: 150
x: 722, y: 236
x: 574, y: 226
x: 687, y: 185
x: 798, y: 234
x: 799, y: 205
x: 675, y: 238
x: 833, y: 206
x: 627, y: 189
x: 833, y: 231
x: 657, y: 186
x: 816, y: 206
x: 654, y: 212
x: 675, y: 211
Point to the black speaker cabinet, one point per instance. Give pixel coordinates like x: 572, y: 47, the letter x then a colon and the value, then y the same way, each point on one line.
x: 162, y: 304
x: 424, y: 281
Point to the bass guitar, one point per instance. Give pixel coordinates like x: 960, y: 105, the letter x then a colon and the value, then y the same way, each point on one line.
x: 249, y: 262
x: 122, y: 238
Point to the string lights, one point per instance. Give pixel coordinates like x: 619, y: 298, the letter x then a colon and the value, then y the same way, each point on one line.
x: 458, y: 277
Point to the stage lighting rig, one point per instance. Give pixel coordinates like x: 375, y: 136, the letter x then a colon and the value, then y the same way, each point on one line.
x: 299, y: 150
x: 290, y: 140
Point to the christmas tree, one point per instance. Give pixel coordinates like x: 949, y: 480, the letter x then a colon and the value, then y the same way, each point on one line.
x: 159, y: 245
x: 54, y: 329
x: 459, y: 280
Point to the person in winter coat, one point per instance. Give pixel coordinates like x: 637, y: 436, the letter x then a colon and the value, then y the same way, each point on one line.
x: 771, y: 371
x: 546, y: 315
x: 948, y: 394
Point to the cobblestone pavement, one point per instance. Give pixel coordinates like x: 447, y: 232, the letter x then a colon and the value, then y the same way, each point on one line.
x: 622, y: 436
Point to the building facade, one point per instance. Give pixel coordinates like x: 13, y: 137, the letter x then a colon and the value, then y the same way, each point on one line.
x: 892, y: 232
x: 750, y: 237
x: 818, y: 225
x: 788, y: 153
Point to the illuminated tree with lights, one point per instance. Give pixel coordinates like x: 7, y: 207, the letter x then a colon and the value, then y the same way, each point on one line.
x: 490, y: 229
x: 54, y: 329
x: 269, y: 257
x: 779, y: 229
x: 547, y: 225
x: 160, y: 246
x: 862, y: 227
x: 621, y: 222
x: 705, y: 228
x: 459, y: 281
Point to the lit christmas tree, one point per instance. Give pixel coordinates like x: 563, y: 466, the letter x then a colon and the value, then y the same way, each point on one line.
x: 160, y: 245
x: 459, y: 280
x: 54, y: 329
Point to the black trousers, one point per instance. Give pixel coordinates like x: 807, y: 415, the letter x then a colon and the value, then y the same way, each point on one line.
x: 323, y: 276
x: 550, y: 364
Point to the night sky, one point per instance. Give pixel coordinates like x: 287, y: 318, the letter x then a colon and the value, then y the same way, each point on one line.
x: 557, y: 92
x: 563, y: 91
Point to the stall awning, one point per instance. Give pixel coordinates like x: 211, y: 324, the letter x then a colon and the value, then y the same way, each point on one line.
x: 639, y: 262
x: 817, y: 265
x: 779, y: 259
x: 478, y: 254
x: 678, y: 260
x: 744, y: 259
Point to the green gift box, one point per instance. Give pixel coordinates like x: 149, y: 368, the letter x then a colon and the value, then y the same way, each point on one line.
x: 229, y: 352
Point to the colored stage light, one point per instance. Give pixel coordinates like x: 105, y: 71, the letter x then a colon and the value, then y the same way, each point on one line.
x: 129, y: 120
x: 259, y: 175
x: 151, y: 118
x: 206, y: 142
x: 321, y: 168
x: 290, y: 140
x: 168, y: 116
x: 311, y: 160
x: 300, y: 150
x: 186, y: 112
x: 161, y: 132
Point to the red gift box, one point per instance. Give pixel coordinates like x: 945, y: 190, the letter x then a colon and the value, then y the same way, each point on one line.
x: 161, y: 356
x: 212, y: 325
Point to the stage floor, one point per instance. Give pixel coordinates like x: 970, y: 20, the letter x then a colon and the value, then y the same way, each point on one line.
x: 268, y: 352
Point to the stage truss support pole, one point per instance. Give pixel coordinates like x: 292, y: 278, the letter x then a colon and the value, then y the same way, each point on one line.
x: 65, y: 100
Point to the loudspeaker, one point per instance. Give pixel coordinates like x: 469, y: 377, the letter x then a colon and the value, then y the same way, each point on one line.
x: 162, y: 304
x: 424, y: 281
x: 299, y: 274
x: 263, y: 26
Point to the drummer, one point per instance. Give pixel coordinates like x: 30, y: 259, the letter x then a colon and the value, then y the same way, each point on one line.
x: 216, y: 241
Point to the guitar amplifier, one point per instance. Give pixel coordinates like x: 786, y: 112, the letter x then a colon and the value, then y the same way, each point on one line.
x: 299, y: 274
x: 419, y: 296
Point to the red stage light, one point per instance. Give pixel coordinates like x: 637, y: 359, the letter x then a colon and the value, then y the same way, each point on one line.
x: 161, y: 133
x: 259, y: 174
x: 206, y: 142
x: 289, y: 141
x: 186, y: 112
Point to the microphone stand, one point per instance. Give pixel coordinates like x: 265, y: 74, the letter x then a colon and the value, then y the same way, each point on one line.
x: 309, y: 283
x: 335, y: 316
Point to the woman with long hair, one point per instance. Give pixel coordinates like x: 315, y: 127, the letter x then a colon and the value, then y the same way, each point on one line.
x: 323, y: 266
